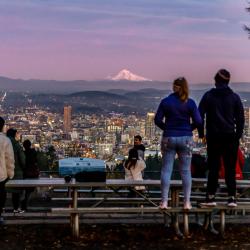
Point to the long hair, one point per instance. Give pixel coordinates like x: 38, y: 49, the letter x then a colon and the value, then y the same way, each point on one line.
x: 180, y: 86
x: 132, y: 159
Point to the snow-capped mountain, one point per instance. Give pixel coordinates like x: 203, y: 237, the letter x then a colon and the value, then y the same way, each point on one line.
x: 127, y: 75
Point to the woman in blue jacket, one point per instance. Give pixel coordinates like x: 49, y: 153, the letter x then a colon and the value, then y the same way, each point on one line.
x: 177, y: 116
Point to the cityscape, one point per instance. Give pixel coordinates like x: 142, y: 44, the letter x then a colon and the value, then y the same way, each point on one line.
x: 83, y: 164
x: 107, y: 136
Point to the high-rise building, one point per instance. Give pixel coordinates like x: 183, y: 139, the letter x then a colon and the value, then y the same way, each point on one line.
x: 67, y: 119
x: 247, y: 122
x: 150, y: 125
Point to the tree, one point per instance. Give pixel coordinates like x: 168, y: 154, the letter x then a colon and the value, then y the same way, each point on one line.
x: 42, y: 161
x: 153, y: 167
x: 247, y: 28
x: 52, y: 158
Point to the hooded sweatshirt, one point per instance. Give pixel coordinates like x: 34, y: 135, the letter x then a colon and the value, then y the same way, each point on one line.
x: 224, y: 113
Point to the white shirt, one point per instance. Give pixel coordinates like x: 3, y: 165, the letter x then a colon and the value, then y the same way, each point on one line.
x: 135, y: 173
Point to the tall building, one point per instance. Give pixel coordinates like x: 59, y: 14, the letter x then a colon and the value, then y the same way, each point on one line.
x: 247, y: 122
x: 67, y: 119
x: 150, y: 125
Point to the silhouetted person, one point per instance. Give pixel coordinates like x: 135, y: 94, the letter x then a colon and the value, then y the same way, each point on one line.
x: 31, y: 170
x: 223, y: 112
x: 19, y: 167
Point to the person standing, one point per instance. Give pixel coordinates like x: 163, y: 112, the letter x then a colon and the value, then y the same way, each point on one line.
x: 223, y: 112
x: 173, y: 117
x: 31, y: 170
x: 139, y: 146
x: 6, y: 165
x: 19, y: 167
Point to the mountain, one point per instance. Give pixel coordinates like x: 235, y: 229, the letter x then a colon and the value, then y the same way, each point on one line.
x: 66, y: 87
x: 101, y: 102
x: 127, y: 75
x: 117, y: 87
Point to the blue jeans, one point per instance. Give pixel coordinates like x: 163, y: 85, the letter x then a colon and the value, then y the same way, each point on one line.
x: 182, y: 146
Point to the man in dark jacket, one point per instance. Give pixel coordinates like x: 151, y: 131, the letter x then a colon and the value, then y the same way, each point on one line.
x: 223, y: 112
x: 139, y: 146
x: 19, y: 155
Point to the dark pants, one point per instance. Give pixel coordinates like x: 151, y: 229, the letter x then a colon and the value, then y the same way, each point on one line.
x: 2, y: 195
x: 27, y: 194
x: 16, y: 200
x: 225, y: 148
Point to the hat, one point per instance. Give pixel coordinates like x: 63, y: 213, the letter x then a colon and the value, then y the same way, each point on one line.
x: 222, y: 77
x: 224, y: 74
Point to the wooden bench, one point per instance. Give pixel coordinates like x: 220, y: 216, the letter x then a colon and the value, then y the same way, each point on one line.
x: 116, y: 186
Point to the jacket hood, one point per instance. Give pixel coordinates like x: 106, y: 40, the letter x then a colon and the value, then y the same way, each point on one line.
x: 221, y: 91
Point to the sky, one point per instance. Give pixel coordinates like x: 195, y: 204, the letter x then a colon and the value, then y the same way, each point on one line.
x: 95, y: 39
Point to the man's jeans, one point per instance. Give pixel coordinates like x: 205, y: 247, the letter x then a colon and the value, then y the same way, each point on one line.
x: 182, y: 146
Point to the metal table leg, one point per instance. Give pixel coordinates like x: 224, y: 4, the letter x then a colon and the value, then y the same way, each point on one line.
x: 222, y: 222
x: 175, y: 216
x: 75, y: 216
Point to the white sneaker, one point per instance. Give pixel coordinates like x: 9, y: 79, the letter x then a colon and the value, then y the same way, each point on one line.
x: 232, y: 202
x: 18, y: 211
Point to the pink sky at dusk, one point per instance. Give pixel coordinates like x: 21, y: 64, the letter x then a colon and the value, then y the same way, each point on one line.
x: 158, y: 39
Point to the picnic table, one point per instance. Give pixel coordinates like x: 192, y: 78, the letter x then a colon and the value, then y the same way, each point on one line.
x: 116, y: 184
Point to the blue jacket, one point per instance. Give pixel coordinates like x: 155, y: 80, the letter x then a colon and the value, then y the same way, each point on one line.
x: 224, y: 113
x: 176, y: 115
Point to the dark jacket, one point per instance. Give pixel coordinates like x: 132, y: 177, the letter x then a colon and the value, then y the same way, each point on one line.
x: 224, y: 113
x: 19, y: 159
x: 31, y: 169
x: 141, y: 150
x: 173, y: 116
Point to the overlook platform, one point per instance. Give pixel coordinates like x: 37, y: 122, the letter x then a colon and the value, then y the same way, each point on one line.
x: 108, y: 202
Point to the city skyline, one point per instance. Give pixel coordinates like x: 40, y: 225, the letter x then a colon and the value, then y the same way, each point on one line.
x: 89, y: 40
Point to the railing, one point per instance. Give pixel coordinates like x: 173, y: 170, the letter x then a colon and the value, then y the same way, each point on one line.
x: 152, y: 175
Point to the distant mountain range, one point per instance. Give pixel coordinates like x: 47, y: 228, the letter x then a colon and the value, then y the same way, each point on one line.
x: 101, y: 102
x: 124, y: 80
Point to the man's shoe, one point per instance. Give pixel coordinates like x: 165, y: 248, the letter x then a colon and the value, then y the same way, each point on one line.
x: 209, y: 202
x: 18, y: 211
x: 232, y: 202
